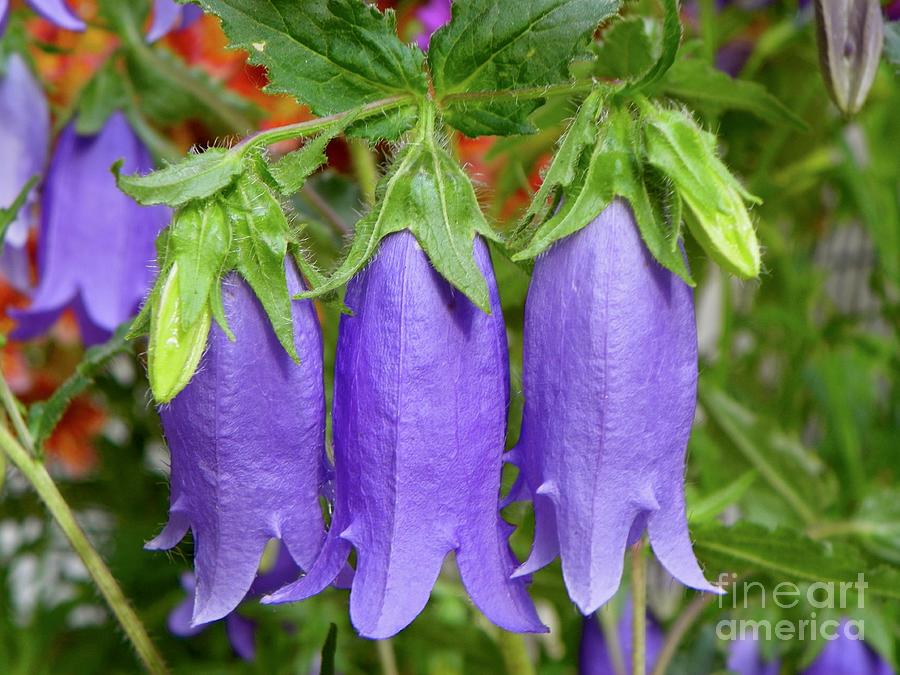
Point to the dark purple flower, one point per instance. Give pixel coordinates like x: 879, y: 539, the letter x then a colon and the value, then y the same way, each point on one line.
x: 169, y: 16
x: 594, y: 656
x: 247, y: 443
x: 421, y: 391
x: 848, y: 655
x: 745, y: 658
x: 24, y: 141
x: 432, y: 15
x: 241, y: 631
x: 610, y: 381
x: 95, y: 246
x: 892, y: 11
x: 733, y: 55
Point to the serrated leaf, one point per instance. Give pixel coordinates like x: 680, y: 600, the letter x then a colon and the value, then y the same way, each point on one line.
x: 788, y: 555
x: 291, y: 171
x: 195, y: 177
x: 386, y: 127
x: 332, y: 55
x: 260, y: 234
x: 175, y: 348
x: 626, y: 51
x: 201, y: 242
x: 490, y: 46
x: 703, y: 85
x: 45, y: 415
x: 99, y: 99
x: 683, y: 152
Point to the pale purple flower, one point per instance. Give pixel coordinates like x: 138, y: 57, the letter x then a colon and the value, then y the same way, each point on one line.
x: 58, y: 12
x: 594, y: 655
x: 610, y: 383
x: 24, y: 141
x: 247, y: 441
x: 421, y: 391
x: 95, y: 244
x: 746, y: 658
x: 240, y: 630
x: 169, y: 16
x: 847, y: 656
x: 432, y: 15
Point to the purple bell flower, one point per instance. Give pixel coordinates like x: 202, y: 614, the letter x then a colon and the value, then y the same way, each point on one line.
x: 421, y: 391
x: 847, y: 656
x: 58, y: 12
x: 241, y: 631
x: 610, y: 381
x: 432, y: 15
x: 594, y: 656
x: 95, y: 246
x: 248, y: 457
x: 24, y: 141
x: 169, y: 16
x: 745, y: 658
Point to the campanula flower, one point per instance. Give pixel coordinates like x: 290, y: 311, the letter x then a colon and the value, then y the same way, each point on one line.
x: 746, y: 658
x: 24, y: 141
x: 95, y: 245
x: 241, y: 630
x: 58, y: 12
x: 610, y: 383
x: 847, y: 656
x: 594, y: 655
x: 420, y: 398
x: 247, y: 442
x: 168, y: 16
x: 432, y: 15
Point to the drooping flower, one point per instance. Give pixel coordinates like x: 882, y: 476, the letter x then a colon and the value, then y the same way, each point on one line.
x: 594, y: 654
x: 247, y: 443
x: 95, y: 245
x: 58, y: 12
x: 241, y: 630
x: 421, y: 391
x: 610, y: 378
x: 432, y: 15
x: 24, y: 141
x: 847, y: 655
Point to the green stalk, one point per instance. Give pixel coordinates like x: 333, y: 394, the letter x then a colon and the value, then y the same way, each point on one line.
x: 639, y: 606
x: 679, y: 629
x: 365, y: 169
x: 515, y: 654
x: 36, y: 474
x: 386, y: 657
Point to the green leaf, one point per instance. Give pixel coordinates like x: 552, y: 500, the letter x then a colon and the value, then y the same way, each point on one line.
x: 291, y: 171
x: 195, y: 177
x: 175, y: 347
x: 201, y: 242
x: 892, y: 42
x: 671, y: 40
x: 712, y: 505
x: 686, y: 154
x: 260, y: 234
x: 100, y: 98
x: 332, y: 55
x: 702, y: 85
x: 389, y: 126
x: 788, y: 555
x: 328, y: 651
x: 626, y: 51
x: 491, y: 47
x: 45, y: 415
x: 11, y: 212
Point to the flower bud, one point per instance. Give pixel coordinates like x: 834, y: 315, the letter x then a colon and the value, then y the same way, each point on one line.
x: 850, y: 34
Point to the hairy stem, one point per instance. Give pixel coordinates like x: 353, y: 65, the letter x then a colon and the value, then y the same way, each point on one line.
x: 639, y: 607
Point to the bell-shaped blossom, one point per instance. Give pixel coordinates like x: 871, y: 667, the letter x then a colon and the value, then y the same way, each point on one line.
x: 168, y: 16
x: 24, y: 141
x: 847, y: 654
x: 432, y: 15
x: 594, y: 654
x: 241, y: 630
x: 95, y: 245
x: 420, y: 398
x: 58, y: 12
x: 610, y: 383
x: 247, y: 441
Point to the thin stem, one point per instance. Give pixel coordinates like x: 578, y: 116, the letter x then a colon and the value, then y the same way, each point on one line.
x: 678, y: 630
x: 515, y: 654
x: 639, y: 609
x: 386, y: 657
x: 11, y: 405
x: 365, y: 168
x: 708, y: 29
x: 36, y: 474
x: 314, y: 199
x: 611, y: 637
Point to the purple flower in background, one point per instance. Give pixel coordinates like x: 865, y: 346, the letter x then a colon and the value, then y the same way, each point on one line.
x: 892, y: 11
x: 432, y: 15
x: 247, y: 443
x: 95, y: 245
x: 594, y: 656
x: 847, y: 656
x: 241, y: 631
x: 24, y: 141
x: 58, y: 12
x: 169, y: 16
x: 421, y: 391
x: 610, y: 382
x: 746, y: 658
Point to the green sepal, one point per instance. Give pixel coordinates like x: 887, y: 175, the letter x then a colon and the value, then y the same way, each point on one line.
x: 175, y: 347
x: 195, y: 177
x: 260, y: 234
x: 686, y: 154
x: 201, y: 241
x: 217, y: 308
x: 164, y: 258
x: 10, y: 213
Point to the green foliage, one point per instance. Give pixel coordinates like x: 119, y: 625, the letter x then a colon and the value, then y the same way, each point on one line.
x: 491, y: 47
x: 100, y: 98
x: 291, y: 171
x: 9, y: 213
x: 625, y: 50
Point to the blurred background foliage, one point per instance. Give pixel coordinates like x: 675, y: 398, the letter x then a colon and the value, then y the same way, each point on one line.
x: 797, y: 429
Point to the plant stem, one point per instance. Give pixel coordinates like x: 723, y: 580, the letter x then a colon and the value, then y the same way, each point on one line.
x: 365, y: 169
x: 679, y: 629
x: 639, y: 609
x: 523, y: 94
x: 11, y: 405
x: 386, y: 657
x: 515, y: 655
x: 36, y: 474
x: 708, y: 29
